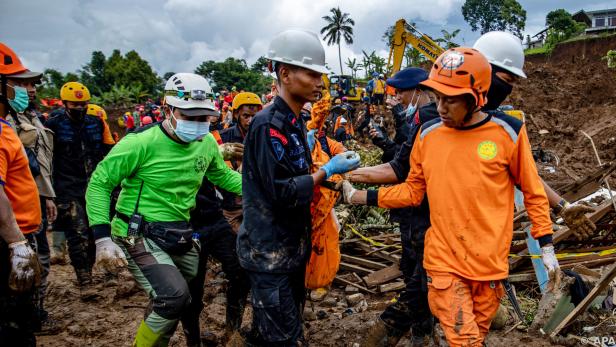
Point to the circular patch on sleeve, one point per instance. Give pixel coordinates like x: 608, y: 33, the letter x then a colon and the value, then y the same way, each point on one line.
x: 487, y: 150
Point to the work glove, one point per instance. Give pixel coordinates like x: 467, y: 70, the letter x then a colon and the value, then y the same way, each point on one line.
x: 311, y: 139
x: 231, y: 151
x: 25, y: 267
x: 341, y: 163
x: 575, y: 218
x: 548, y: 256
x: 109, y: 256
x: 347, y: 191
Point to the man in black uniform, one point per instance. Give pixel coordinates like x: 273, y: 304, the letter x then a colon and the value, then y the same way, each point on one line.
x: 410, y: 310
x: 274, y: 240
x: 245, y: 107
x: 217, y: 239
x: 78, y: 148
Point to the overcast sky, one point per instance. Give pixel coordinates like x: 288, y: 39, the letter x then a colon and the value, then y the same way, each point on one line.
x: 177, y: 35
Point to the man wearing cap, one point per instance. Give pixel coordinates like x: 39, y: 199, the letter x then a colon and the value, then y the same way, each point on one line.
x: 20, y: 215
x: 483, y: 157
x: 38, y: 142
x: 160, y: 168
x: 274, y: 240
x: 410, y: 310
x: 407, y: 101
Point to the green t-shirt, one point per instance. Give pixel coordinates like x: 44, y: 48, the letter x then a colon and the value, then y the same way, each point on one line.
x: 171, y: 173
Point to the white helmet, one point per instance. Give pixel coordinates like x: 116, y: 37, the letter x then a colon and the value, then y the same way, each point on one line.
x: 300, y: 48
x: 191, y: 93
x: 502, y: 49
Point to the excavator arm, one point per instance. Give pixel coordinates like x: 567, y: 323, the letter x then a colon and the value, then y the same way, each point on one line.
x: 420, y: 41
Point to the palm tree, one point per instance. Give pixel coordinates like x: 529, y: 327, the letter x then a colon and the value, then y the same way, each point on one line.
x: 352, y: 64
x: 413, y: 57
x: 448, y: 37
x: 339, y: 25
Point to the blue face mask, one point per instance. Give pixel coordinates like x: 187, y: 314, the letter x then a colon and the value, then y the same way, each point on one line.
x: 21, y: 99
x: 189, y: 131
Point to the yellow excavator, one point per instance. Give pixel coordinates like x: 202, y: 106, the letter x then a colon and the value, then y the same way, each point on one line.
x: 404, y: 34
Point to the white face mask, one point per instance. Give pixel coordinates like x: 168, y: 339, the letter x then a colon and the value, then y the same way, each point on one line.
x: 189, y: 131
x: 412, y: 108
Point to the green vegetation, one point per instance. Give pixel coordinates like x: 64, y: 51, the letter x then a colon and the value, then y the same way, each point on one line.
x: 490, y: 15
x: 611, y: 58
x: 117, y: 81
x: 234, y: 72
x: 561, y: 27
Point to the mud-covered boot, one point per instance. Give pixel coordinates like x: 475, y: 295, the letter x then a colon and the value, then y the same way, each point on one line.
x: 381, y: 335
x: 87, y: 291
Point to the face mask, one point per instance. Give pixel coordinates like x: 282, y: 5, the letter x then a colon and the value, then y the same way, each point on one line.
x: 189, y: 131
x: 77, y: 113
x: 412, y: 108
x: 21, y: 99
x: 498, y: 92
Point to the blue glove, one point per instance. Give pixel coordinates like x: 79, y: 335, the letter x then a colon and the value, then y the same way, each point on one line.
x: 341, y: 163
x: 311, y: 139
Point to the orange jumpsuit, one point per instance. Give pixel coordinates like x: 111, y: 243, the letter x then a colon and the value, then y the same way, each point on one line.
x: 469, y: 176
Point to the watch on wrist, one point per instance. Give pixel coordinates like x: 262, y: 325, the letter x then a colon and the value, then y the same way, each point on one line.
x: 562, y: 204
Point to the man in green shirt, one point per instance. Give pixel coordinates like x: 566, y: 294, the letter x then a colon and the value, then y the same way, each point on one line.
x: 160, y: 169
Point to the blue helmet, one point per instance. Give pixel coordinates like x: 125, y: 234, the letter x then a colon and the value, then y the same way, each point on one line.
x: 375, y: 74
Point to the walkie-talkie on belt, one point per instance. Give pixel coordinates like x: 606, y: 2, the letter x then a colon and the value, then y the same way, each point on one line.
x: 135, y: 223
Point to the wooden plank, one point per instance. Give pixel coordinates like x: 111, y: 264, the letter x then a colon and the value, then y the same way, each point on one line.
x: 525, y: 277
x: 583, y: 270
x: 381, y: 254
x: 582, y: 306
x: 385, y: 275
x: 587, y: 185
x: 355, y: 268
x: 564, y: 232
x: 384, y: 288
x: 360, y: 287
x: 362, y: 262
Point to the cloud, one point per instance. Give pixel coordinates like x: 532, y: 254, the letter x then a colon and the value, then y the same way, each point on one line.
x: 177, y: 35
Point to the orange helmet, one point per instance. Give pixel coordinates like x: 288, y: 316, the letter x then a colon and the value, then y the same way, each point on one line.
x: 460, y: 71
x: 9, y: 61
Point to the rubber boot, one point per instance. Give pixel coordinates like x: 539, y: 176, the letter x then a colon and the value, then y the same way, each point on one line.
x: 192, y: 333
x: 381, y: 335
x: 87, y: 291
x: 146, y: 337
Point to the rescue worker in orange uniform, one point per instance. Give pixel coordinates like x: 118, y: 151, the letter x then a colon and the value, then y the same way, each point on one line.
x: 20, y: 215
x: 468, y: 162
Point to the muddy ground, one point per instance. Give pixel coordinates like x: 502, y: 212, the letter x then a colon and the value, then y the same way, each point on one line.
x: 112, y: 319
x: 569, y: 91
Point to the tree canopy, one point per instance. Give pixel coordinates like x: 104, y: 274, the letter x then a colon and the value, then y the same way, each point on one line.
x: 489, y: 15
x: 234, y: 72
x: 561, y: 26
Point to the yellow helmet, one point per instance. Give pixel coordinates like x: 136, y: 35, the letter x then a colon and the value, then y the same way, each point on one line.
x: 245, y: 98
x: 97, y: 111
x: 74, y: 91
